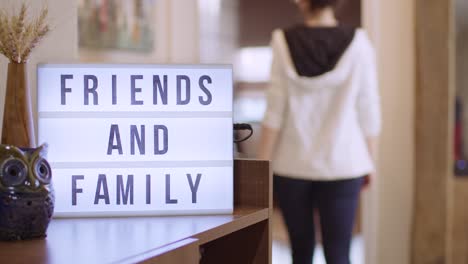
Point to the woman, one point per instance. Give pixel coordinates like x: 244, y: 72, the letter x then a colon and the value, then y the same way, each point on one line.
x: 321, y: 127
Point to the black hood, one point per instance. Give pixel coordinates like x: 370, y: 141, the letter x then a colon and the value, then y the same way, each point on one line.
x: 316, y: 50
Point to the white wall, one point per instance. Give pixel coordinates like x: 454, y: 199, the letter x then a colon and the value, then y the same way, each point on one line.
x: 59, y: 46
x: 219, y: 33
x: 392, y: 28
x: 184, y: 32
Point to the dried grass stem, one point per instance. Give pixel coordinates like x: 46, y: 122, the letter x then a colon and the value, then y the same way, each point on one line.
x: 20, y: 35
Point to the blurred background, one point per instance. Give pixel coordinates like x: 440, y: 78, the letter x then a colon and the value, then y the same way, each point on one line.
x: 414, y: 211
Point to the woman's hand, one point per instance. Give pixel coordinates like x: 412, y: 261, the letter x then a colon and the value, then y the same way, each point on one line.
x: 372, y: 146
x: 367, y: 181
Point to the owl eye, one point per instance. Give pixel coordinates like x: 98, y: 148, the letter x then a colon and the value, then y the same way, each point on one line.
x: 43, y: 171
x: 14, y: 172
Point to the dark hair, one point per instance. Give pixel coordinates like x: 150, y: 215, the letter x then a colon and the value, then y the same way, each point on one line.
x: 319, y: 4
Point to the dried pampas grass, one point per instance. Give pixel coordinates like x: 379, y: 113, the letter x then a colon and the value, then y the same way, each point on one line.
x: 19, y: 36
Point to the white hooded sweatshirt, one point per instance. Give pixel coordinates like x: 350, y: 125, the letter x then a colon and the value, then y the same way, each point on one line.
x: 324, y: 120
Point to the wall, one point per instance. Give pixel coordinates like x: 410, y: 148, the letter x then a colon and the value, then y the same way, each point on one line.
x: 281, y: 14
x: 257, y: 32
x: 219, y: 30
x: 388, y: 205
x: 59, y: 46
x: 459, y: 235
x: 184, y: 46
x: 434, y: 133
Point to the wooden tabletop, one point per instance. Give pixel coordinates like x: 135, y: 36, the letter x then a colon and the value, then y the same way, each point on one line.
x: 116, y: 240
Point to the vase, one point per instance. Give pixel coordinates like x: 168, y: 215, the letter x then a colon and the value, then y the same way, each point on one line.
x: 18, y: 126
x: 26, y: 193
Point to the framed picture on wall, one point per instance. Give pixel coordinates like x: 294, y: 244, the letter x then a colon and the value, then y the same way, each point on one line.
x: 116, y: 24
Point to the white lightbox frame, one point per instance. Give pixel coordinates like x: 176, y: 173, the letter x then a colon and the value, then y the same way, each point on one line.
x: 47, y: 116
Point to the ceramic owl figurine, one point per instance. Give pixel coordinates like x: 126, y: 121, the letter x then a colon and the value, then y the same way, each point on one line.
x: 26, y: 194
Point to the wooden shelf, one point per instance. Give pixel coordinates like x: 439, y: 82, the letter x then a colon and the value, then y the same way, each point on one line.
x: 243, y: 217
x: 168, y: 239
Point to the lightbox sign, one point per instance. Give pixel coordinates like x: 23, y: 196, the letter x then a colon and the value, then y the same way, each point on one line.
x: 138, y: 139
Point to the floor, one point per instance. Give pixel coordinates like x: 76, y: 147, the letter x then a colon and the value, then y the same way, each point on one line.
x: 282, y: 253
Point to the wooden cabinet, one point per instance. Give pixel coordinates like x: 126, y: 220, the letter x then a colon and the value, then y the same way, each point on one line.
x: 243, y: 237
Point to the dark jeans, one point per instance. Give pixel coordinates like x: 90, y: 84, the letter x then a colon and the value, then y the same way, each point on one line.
x: 336, y: 202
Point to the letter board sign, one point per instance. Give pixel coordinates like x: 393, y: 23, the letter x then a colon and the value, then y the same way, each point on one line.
x: 138, y: 139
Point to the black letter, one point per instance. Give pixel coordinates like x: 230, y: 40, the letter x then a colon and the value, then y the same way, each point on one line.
x: 204, y: 89
x: 128, y: 189
x: 168, y: 191
x: 157, y: 150
x: 193, y: 188
x: 74, y: 189
x: 148, y: 189
x: 87, y: 90
x: 114, y: 89
x: 134, y: 136
x: 63, y: 89
x: 114, y: 135
x: 181, y: 78
x: 102, y: 182
x: 135, y: 90
x: 159, y: 88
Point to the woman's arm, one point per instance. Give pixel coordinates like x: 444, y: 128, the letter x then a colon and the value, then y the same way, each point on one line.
x: 276, y: 97
x: 369, y: 107
x: 373, y: 147
x: 268, y: 138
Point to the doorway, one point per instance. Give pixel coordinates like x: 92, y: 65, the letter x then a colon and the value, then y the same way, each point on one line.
x: 231, y: 32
